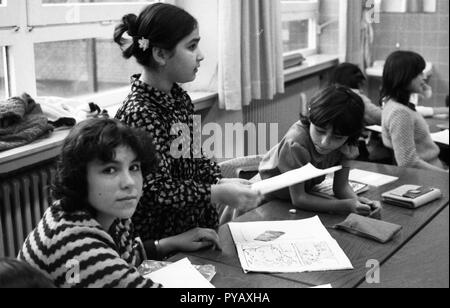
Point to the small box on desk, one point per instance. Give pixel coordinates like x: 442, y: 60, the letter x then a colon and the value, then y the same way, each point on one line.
x: 411, y: 196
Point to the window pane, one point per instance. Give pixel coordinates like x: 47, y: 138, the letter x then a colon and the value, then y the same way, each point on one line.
x: 295, y: 35
x: 2, y: 74
x: 81, y: 67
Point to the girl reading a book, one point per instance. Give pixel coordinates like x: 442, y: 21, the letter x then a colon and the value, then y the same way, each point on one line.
x: 325, y: 138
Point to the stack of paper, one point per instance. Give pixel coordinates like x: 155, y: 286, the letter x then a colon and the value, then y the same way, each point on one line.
x: 181, y: 274
x: 287, y: 247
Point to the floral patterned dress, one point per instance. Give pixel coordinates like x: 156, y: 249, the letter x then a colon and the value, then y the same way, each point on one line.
x: 177, y: 196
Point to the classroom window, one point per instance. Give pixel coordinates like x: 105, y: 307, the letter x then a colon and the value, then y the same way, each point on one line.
x: 81, y: 67
x: 2, y: 72
x: 47, y: 12
x: 65, y: 48
x: 299, y: 20
x: 9, y: 13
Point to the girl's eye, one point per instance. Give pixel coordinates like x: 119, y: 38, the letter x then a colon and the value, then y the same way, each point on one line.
x: 321, y: 131
x: 109, y: 170
x: 193, y: 47
x: 135, y: 167
x: 339, y: 138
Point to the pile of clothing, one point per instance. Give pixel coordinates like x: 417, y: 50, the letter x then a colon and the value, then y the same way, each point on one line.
x: 21, y: 122
x: 24, y: 120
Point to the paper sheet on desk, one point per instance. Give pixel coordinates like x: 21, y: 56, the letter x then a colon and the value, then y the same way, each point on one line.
x: 305, y: 246
x: 291, y: 178
x: 441, y: 137
x: 180, y: 274
x: 371, y: 178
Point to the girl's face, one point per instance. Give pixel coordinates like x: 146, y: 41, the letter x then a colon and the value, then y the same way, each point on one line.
x: 324, y: 140
x: 184, y: 64
x: 114, y: 188
x: 418, y: 84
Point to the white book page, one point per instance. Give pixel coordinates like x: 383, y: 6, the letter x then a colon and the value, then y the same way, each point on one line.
x: 287, y: 247
x: 441, y: 137
x: 181, y: 274
x: 371, y: 178
x: 291, y: 178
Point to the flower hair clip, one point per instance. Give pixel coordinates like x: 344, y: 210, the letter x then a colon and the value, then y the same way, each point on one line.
x: 144, y: 44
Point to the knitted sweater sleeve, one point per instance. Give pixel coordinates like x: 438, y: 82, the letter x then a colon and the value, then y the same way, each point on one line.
x: 401, y: 129
x: 79, y: 257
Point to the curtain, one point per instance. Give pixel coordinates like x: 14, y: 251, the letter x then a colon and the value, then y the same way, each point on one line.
x: 354, y: 31
x: 360, y: 32
x: 250, y: 52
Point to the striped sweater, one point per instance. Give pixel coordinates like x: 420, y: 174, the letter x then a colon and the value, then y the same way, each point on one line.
x: 75, y: 252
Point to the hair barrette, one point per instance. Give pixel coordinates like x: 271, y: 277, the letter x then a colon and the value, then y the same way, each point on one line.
x: 144, y: 44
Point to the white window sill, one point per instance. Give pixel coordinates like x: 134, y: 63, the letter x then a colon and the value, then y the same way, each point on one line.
x: 312, y: 65
x: 48, y: 148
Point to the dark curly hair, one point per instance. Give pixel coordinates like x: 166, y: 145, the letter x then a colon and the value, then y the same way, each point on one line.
x: 19, y: 274
x: 349, y: 75
x: 90, y: 140
x: 164, y: 25
x: 339, y: 107
x: 400, y: 69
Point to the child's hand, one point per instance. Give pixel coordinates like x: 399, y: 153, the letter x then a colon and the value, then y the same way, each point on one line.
x: 237, y: 195
x: 361, y: 208
x: 195, y: 239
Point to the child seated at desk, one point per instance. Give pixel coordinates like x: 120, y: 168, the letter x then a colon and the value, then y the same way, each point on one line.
x: 86, y: 238
x: 350, y: 75
x: 326, y: 138
x: 404, y: 130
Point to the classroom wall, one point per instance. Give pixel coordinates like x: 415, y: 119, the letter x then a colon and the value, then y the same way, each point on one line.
x: 427, y: 34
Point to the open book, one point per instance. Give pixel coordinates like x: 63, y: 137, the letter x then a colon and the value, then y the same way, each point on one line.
x: 292, y: 177
x: 325, y: 189
x: 287, y: 247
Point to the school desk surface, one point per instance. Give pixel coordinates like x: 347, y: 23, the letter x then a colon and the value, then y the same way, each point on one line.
x: 407, y: 247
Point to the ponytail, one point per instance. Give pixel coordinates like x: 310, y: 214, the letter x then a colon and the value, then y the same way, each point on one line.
x: 127, y: 25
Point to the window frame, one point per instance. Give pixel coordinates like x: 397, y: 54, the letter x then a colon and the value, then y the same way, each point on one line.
x: 41, y: 14
x: 303, y: 10
x: 9, y: 13
x: 20, y: 69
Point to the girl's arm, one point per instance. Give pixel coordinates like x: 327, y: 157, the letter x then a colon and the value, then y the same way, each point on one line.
x: 192, y: 240
x: 305, y: 201
x: 341, y: 187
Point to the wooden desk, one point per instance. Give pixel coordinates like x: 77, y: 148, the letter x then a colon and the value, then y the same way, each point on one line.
x: 359, y: 250
x: 429, y: 266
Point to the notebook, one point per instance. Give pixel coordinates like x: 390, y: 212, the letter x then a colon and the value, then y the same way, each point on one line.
x: 411, y: 196
x: 325, y: 189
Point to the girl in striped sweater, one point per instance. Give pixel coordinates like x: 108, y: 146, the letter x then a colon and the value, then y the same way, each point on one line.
x: 86, y: 239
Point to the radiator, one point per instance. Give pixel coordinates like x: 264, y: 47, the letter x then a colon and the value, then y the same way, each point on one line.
x: 23, y: 200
